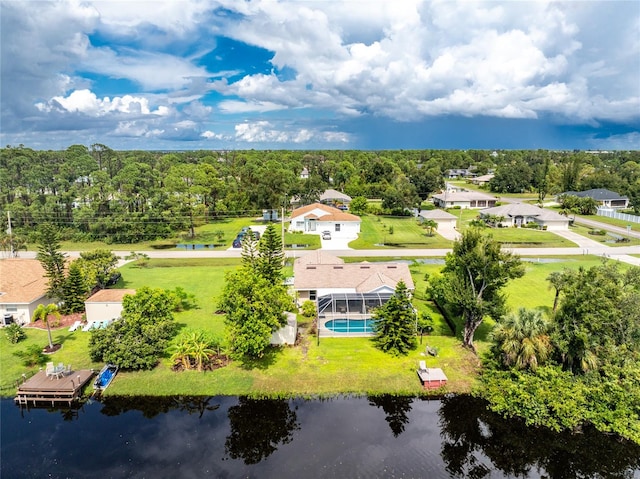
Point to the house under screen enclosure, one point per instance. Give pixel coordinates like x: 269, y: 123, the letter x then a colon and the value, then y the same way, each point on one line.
x: 348, y: 313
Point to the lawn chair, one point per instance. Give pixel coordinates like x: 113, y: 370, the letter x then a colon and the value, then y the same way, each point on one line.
x: 423, y: 365
x: 75, y: 325
x: 50, y: 370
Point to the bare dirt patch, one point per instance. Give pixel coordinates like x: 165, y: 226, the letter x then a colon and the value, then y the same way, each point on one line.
x: 65, y: 321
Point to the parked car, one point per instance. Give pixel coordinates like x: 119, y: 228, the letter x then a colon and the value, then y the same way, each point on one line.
x: 237, y: 243
x: 326, y: 235
x: 343, y: 207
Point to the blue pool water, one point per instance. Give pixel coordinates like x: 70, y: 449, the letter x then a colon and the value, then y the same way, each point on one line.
x: 350, y: 325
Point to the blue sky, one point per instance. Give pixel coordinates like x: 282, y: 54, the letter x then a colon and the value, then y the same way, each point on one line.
x: 308, y: 74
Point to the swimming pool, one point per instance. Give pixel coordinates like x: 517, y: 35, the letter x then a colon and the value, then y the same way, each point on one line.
x: 350, y: 325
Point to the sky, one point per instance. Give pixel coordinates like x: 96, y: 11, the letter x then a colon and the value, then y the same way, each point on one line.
x: 325, y: 74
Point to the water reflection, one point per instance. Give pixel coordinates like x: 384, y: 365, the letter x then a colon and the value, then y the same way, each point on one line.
x: 258, y: 427
x: 470, y: 433
x: 222, y: 436
x: 396, y: 408
x: 151, y: 406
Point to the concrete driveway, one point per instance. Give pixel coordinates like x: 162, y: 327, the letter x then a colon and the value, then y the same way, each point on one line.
x: 336, y: 243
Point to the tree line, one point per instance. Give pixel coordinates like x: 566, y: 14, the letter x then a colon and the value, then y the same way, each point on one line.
x: 97, y: 193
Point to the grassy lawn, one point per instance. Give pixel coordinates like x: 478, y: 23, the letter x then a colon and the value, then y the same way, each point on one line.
x: 613, y: 221
x: 606, y: 240
x: 514, y: 237
x: 380, y: 232
x: 336, y: 365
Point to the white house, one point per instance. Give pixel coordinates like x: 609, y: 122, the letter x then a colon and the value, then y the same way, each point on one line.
x: 605, y: 198
x: 464, y: 199
x: 519, y: 214
x: 441, y: 217
x: 316, y: 218
x: 105, y: 305
x: 23, y: 287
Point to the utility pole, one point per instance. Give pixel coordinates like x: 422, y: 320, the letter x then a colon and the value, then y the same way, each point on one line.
x: 10, y: 234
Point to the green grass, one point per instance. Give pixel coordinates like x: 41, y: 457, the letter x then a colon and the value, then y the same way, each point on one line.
x: 606, y: 239
x: 612, y: 221
x: 336, y: 365
x: 380, y: 232
x: 74, y: 351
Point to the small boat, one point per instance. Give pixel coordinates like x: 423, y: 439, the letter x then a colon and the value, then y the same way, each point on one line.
x: 105, y: 376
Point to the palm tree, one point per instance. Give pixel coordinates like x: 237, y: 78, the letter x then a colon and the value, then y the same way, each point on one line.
x: 42, y: 312
x: 522, y: 339
x: 431, y: 226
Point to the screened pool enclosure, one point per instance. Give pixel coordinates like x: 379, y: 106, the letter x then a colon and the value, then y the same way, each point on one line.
x: 347, y: 313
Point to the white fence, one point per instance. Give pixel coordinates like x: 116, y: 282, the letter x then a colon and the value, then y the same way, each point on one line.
x: 617, y: 215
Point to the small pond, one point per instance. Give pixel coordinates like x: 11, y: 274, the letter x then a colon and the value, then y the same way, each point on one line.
x: 339, y: 437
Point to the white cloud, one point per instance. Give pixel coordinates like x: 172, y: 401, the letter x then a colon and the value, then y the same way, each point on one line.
x: 265, y: 132
x: 501, y: 58
x: 210, y: 135
x: 85, y: 101
x: 235, y: 106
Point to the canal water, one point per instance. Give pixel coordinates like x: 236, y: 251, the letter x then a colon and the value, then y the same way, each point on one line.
x: 340, y: 437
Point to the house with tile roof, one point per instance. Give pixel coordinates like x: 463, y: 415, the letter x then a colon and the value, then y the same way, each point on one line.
x: 317, y: 217
x: 105, y: 305
x: 346, y: 293
x: 23, y: 287
x: 520, y: 214
x: 313, y: 278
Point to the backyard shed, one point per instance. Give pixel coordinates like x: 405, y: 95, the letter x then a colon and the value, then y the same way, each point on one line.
x: 106, y: 304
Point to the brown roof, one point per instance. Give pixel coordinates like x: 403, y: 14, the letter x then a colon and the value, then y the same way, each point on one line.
x: 21, y: 281
x: 332, y: 214
x: 318, y: 256
x: 110, y: 295
x: 361, y: 277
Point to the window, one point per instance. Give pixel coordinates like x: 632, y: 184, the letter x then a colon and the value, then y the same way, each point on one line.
x: 11, y: 308
x: 337, y: 226
x: 313, y: 294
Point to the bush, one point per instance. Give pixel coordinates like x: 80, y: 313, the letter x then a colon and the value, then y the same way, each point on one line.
x: 32, y: 356
x: 308, y: 309
x: 15, y: 333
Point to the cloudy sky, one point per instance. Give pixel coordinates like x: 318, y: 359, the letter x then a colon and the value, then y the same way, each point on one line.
x: 327, y: 74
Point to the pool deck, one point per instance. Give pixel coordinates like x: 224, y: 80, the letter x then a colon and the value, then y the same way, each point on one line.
x: 47, y: 389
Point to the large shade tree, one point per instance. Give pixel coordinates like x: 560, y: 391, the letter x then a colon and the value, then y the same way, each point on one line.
x: 475, y: 273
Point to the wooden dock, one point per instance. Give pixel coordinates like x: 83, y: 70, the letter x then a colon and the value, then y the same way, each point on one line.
x: 41, y: 388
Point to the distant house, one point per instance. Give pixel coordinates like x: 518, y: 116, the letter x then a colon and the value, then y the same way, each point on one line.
x: 464, y: 199
x: 482, y: 180
x: 105, y: 305
x: 23, y: 287
x: 459, y: 173
x: 443, y: 218
x: 317, y: 217
x: 334, y: 197
x: 604, y: 197
x: 520, y: 214
x: 304, y: 174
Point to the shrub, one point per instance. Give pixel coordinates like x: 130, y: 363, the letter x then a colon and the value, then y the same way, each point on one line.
x: 15, y: 333
x: 308, y: 309
x: 32, y: 356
